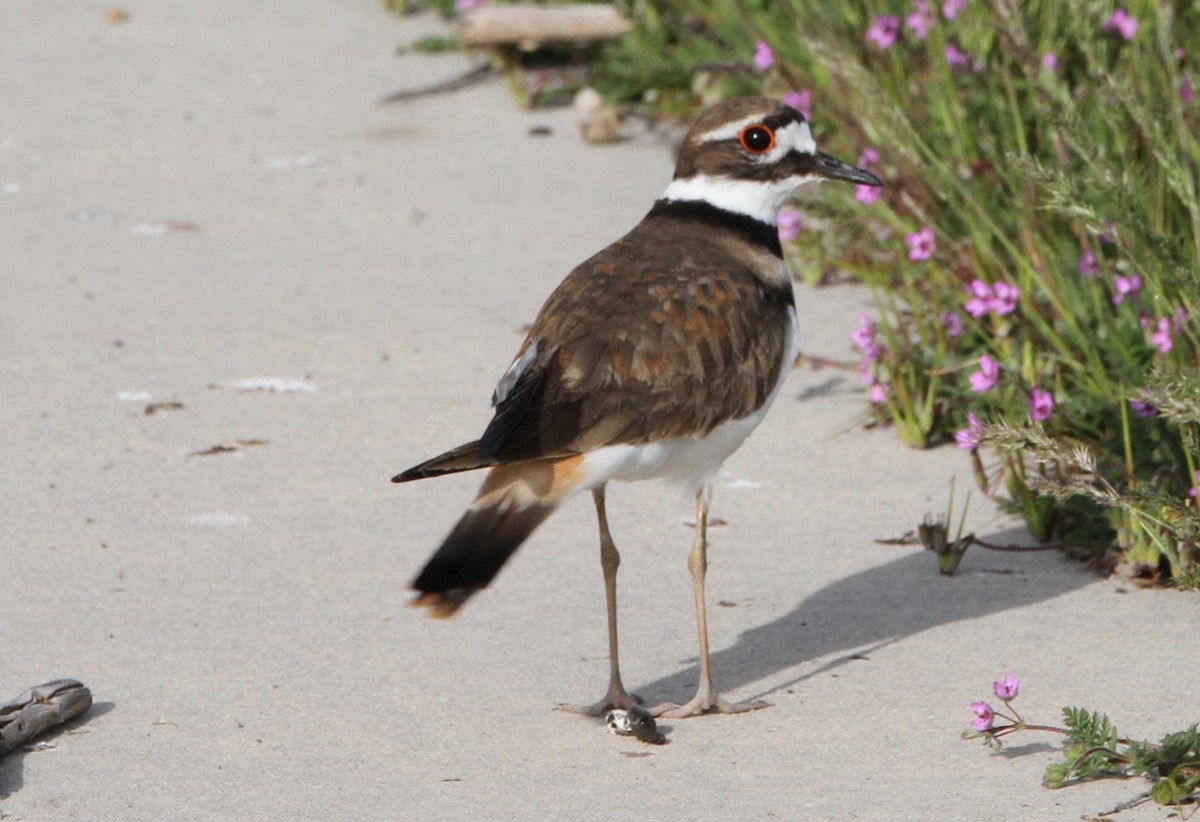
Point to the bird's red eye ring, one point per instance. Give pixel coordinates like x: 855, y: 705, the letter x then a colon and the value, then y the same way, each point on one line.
x: 757, y: 139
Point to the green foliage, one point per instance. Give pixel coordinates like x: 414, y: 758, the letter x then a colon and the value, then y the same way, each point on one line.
x: 434, y: 44
x: 1089, y: 729
x: 1091, y: 748
x: 1074, y: 183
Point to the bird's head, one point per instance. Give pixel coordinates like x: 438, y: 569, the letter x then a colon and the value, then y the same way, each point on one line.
x: 749, y: 154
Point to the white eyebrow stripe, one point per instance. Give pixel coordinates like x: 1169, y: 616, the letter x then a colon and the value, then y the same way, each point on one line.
x: 792, y: 137
x: 729, y: 130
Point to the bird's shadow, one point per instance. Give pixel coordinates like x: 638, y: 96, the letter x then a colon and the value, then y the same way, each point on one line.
x: 12, y: 764
x: 872, y: 609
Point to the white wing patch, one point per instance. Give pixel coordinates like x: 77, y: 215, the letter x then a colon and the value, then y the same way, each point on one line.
x: 514, y: 373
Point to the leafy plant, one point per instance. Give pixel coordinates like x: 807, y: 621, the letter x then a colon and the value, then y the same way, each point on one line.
x: 1035, y: 255
x: 1093, y: 747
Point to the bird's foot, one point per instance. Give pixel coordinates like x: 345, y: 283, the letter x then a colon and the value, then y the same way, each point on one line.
x: 615, y: 699
x: 705, y: 702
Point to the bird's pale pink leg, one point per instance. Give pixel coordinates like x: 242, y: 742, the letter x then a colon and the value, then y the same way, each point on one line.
x: 610, y: 560
x: 706, y: 699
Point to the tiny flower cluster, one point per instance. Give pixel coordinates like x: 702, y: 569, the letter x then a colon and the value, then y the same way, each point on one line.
x: 1006, y: 690
x: 764, y: 58
x: 869, y: 158
x: 866, y: 339
x: 921, y: 244
x: 1165, y: 329
x: 999, y: 298
x: 801, y: 101
x: 789, y: 221
x: 1126, y: 287
x: 1122, y: 23
x: 985, y: 378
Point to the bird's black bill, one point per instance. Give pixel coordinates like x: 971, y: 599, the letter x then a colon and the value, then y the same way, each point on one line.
x: 832, y: 168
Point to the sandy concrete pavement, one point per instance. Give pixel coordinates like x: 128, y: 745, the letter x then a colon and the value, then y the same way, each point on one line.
x: 207, y: 194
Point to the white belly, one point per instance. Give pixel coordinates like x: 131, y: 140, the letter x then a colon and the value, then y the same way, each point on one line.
x: 692, y: 462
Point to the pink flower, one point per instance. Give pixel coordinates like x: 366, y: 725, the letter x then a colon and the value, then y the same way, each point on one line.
x: 1087, y: 264
x: 1195, y: 484
x: 956, y: 59
x: 1050, y: 62
x: 1041, y: 405
x: 920, y: 21
x: 921, y: 244
x: 1143, y: 409
x: 952, y: 323
x: 865, y: 339
x: 999, y: 299
x: 465, y: 5
x: 1161, y: 339
x: 1007, y: 688
x: 968, y: 438
x: 983, y: 716
x: 1187, y: 92
x: 868, y: 194
x: 883, y: 31
x: 985, y: 378
x: 764, y: 58
x: 1005, y: 297
x: 878, y: 394
x: 1126, y: 287
x: 981, y: 299
x: 863, y: 336
x: 801, y: 101
x: 789, y: 221
x: 1122, y: 24
x: 951, y: 8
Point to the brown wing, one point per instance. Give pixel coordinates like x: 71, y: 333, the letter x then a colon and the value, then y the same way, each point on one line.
x: 633, y: 347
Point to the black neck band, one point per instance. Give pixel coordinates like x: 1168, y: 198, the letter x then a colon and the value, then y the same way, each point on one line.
x: 753, y: 231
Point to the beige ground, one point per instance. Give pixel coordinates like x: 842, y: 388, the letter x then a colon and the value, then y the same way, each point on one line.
x: 240, y: 617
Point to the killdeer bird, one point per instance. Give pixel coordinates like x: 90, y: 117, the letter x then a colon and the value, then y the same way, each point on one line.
x: 654, y: 359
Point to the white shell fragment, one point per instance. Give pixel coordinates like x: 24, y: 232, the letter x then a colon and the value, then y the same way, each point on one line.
x: 274, y: 385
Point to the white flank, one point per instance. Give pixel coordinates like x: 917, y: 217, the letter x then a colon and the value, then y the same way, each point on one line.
x: 758, y: 199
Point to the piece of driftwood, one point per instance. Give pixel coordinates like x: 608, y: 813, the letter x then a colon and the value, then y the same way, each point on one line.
x: 528, y: 25
x: 39, y: 709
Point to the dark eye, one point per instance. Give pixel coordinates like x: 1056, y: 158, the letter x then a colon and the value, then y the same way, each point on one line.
x: 758, y: 139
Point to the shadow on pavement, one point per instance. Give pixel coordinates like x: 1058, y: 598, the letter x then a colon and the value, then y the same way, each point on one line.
x: 875, y: 608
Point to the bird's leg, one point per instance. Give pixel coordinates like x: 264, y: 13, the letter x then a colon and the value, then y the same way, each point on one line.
x: 610, y: 560
x: 706, y: 699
